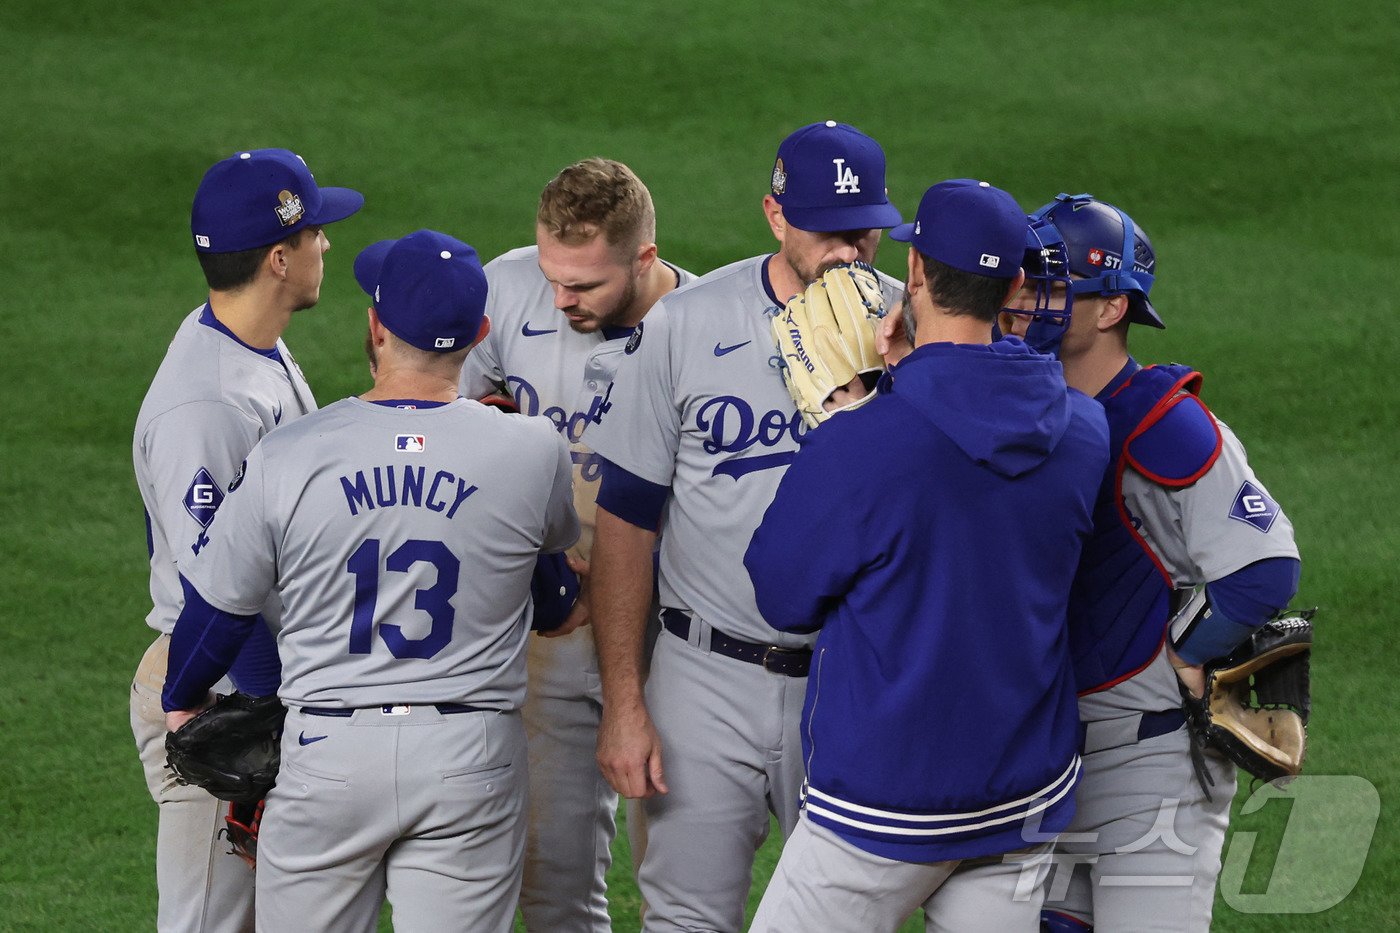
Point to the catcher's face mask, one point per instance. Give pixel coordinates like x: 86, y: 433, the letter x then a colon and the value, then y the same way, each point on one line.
x: 1040, y: 312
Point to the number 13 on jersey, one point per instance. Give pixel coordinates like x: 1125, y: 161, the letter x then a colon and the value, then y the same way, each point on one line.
x: 435, y: 600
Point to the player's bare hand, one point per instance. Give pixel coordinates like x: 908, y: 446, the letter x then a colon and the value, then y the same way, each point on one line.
x: 177, y: 718
x: 579, y: 616
x: 629, y: 752
x: 1193, y: 676
x: 852, y: 391
x: 891, y: 342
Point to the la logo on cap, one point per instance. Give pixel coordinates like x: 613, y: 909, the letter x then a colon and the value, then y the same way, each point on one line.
x: 847, y: 181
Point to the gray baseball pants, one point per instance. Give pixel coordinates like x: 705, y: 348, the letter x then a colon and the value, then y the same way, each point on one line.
x: 424, y: 808
x: 732, y: 754
x: 822, y: 882
x: 1143, y: 851
x: 202, y: 888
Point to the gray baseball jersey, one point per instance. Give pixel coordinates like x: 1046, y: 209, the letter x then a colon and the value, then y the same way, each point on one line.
x: 699, y: 405
x: 532, y: 355
x: 210, y: 402
x: 554, y: 372
x: 1191, y: 533
x: 1143, y: 850
x: 420, y: 525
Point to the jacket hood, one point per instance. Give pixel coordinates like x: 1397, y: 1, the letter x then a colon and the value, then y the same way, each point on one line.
x: 1005, y: 405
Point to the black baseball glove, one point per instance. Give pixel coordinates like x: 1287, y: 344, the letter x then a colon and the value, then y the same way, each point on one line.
x: 231, y: 749
x: 1256, y: 702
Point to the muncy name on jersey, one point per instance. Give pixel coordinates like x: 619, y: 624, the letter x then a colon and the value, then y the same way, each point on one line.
x: 408, y: 486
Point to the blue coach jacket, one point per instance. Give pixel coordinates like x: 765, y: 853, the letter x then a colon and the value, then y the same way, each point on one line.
x: 932, y: 537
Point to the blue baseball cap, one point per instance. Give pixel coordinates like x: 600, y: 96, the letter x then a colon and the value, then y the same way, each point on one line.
x: 969, y: 225
x: 260, y: 197
x: 830, y: 176
x: 428, y: 289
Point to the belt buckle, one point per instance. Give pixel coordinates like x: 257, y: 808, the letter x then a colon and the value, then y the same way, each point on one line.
x: 398, y: 709
x: 769, y: 651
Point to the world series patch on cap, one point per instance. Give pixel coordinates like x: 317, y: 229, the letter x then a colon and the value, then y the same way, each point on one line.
x: 262, y: 196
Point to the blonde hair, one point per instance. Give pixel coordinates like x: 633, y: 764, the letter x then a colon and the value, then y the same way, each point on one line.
x: 598, y: 196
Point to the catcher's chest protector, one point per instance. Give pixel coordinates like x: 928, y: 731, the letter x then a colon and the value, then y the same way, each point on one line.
x: 1120, y: 601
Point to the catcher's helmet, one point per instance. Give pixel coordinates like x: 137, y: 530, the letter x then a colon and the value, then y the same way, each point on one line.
x: 1097, y: 237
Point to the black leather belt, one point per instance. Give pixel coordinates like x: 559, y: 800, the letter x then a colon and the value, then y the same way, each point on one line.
x: 790, y: 662
x: 446, y: 709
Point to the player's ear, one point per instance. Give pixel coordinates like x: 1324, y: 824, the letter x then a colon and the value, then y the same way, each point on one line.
x: 915, y: 279
x: 483, y: 330
x: 276, y: 260
x: 1114, y: 311
x: 646, y: 255
x: 376, y: 327
x: 774, y: 212
x: 1015, y: 287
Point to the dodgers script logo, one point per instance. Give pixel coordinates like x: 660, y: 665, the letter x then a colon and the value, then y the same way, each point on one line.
x: 733, y: 426
x: 568, y: 423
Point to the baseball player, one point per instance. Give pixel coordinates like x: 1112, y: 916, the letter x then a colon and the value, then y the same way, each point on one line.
x: 401, y: 530
x: 226, y: 380
x: 695, y: 433
x: 994, y: 462
x: 1179, y: 507
x: 562, y: 311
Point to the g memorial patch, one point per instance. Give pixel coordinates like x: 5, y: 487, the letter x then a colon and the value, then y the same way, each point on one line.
x: 203, y: 498
x: 1254, y: 507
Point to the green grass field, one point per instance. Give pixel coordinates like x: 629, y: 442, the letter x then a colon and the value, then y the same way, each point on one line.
x: 1256, y: 142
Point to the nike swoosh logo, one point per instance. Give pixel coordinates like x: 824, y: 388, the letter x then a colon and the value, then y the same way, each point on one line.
x: 720, y: 351
x: 527, y: 331
x: 315, y: 738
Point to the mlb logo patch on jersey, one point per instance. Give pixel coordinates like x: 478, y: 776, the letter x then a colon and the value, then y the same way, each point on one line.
x: 410, y: 443
x: 1254, y: 507
x: 203, y: 498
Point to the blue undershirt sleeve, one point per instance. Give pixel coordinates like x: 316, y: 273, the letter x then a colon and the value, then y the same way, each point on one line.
x: 554, y: 589
x: 203, y: 646
x: 257, y: 670
x: 1241, y: 602
x: 634, y: 500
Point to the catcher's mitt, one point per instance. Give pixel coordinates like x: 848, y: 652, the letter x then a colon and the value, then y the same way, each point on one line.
x: 826, y: 338
x: 242, y: 823
x: 1256, y: 702
x: 231, y: 749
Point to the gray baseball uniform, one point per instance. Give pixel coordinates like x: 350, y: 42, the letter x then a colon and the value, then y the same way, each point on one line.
x: 824, y: 882
x: 1143, y: 851
x: 555, y: 372
x: 699, y: 406
x: 209, y: 403
x: 402, y: 543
